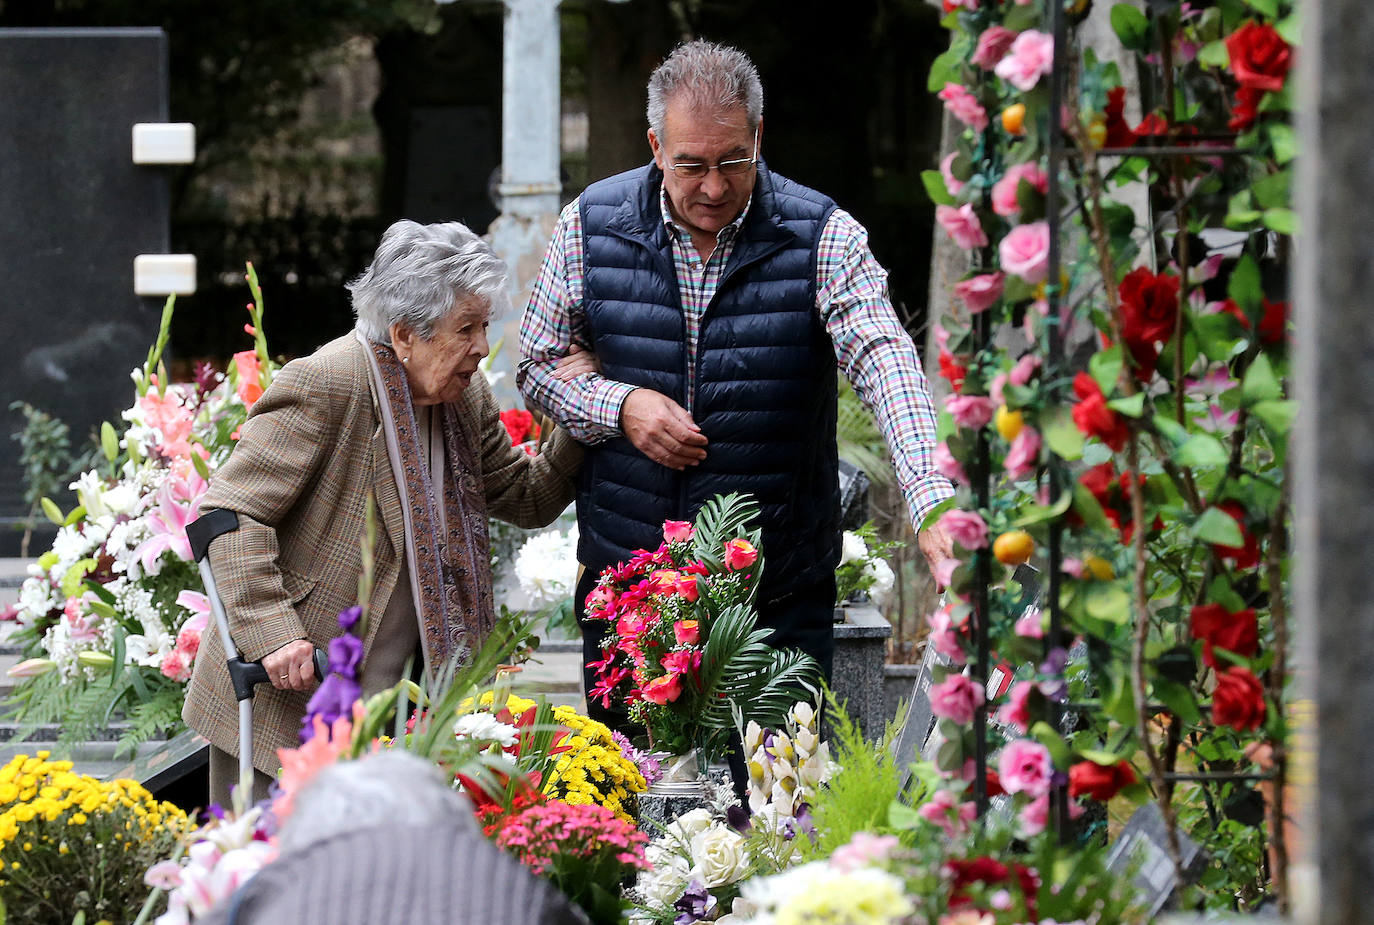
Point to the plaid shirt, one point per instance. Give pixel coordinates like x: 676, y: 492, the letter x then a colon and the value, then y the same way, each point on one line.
x: 871, y: 347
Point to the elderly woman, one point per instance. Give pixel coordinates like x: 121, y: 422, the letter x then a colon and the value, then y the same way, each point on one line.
x: 396, y: 413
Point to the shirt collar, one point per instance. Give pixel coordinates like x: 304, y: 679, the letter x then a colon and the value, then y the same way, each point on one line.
x: 726, y: 233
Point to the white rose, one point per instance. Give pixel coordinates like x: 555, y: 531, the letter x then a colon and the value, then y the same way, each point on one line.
x: 691, y: 824
x: 666, y: 883
x: 853, y: 548
x: 719, y: 857
x: 882, y: 581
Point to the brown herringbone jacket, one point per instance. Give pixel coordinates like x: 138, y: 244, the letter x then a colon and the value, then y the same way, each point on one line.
x: 310, y: 454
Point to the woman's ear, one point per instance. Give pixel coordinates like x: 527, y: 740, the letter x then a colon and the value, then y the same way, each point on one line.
x: 402, y: 338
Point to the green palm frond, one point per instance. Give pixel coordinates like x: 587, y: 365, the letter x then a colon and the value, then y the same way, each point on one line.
x: 723, y: 518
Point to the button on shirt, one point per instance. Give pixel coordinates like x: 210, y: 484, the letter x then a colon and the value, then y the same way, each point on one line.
x: 876, y: 355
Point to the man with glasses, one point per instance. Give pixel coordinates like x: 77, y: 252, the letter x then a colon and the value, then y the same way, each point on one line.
x: 719, y: 298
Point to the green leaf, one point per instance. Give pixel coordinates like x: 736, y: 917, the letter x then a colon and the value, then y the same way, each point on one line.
x: 1214, y: 54
x: 201, y: 466
x: 1282, y: 221
x: 1290, y: 28
x: 1276, y: 415
x: 1203, y: 451
x: 902, y: 817
x: 75, y: 516
x: 1178, y: 699
x: 1131, y: 26
x: 1108, y: 602
x: 1172, y: 430
x: 935, y: 188
x: 109, y: 441
x: 1020, y: 18
x: 1272, y: 191
x: 54, y: 512
x: 1105, y: 367
x: 1132, y: 406
x: 1260, y: 383
x: 1216, y: 335
x: 1244, y: 287
x: 1098, y: 756
x: 947, y: 65
x: 1061, y: 434
x: 1284, y: 140
x: 1059, y: 749
x: 1217, y: 526
x: 1039, y: 514
x: 1267, y: 8
x: 103, y: 609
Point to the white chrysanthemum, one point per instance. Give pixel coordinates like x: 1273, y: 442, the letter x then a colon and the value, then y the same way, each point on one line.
x: 485, y: 728
x: 546, y: 566
x: 883, y: 580
x: 70, y: 546
x: 853, y: 548
x: 37, y: 596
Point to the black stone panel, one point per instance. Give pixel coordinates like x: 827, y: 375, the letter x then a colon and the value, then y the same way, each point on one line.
x: 74, y: 212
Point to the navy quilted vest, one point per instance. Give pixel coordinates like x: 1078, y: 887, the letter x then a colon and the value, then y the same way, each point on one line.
x: 765, y: 378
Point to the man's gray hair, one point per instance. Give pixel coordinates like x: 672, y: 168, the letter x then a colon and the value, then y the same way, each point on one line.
x: 709, y: 78
x: 418, y: 272
x: 392, y: 787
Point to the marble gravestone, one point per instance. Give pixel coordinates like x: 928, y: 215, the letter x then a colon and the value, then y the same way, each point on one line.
x: 76, y: 211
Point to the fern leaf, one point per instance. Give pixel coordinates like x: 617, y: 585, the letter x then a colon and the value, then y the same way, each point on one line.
x: 723, y: 518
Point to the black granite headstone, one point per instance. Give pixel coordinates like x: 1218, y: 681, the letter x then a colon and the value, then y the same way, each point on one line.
x: 1144, y: 846
x: 74, y: 212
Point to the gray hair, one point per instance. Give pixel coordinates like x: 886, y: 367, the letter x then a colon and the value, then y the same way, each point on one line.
x: 709, y: 77
x: 417, y: 274
x: 391, y: 787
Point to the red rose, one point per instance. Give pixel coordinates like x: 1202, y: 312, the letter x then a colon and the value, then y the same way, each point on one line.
x: 952, y: 369
x: 1238, y: 700
x: 1119, y: 134
x: 1101, y: 782
x: 1153, y: 124
x: 990, y: 872
x: 1149, y: 313
x: 739, y: 554
x: 1247, y: 554
x: 519, y: 424
x: 1245, y: 110
x: 1094, y: 418
x: 1107, y: 487
x: 994, y: 783
x: 1260, y: 58
x: 1216, y: 626
x: 1273, y: 326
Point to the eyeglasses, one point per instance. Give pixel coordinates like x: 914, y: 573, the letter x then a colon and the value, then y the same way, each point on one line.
x: 693, y: 170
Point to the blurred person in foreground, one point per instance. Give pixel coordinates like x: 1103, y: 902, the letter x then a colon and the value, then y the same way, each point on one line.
x: 720, y: 298
x: 382, y: 840
x: 397, y: 411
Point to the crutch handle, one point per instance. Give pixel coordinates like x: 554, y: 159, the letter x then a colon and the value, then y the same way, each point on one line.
x: 247, y: 675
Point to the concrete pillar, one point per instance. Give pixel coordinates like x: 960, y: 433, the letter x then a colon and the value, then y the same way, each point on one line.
x: 1333, y: 449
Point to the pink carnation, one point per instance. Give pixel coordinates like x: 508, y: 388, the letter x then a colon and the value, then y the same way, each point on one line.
x: 962, y: 225
x: 965, y: 528
x: 971, y: 411
x: 947, y: 465
x: 1030, y: 55
x: 176, y: 665
x: 964, y: 106
x: 1025, y: 251
x: 1004, y: 190
x: 1016, y: 711
x: 980, y: 292
x: 993, y: 45
x: 956, y: 698
x: 952, y: 183
x: 1025, y: 767
x: 1024, y: 453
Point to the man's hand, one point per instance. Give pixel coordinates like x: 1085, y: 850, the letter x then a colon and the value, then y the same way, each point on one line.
x: 939, y: 552
x: 662, y: 429
x: 578, y: 362
x: 292, y: 667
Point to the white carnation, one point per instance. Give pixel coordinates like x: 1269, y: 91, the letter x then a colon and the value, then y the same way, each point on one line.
x: 853, y: 548
x: 883, y: 580
x: 546, y: 566
x: 485, y: 728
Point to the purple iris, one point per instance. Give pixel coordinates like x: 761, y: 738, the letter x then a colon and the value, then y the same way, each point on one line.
x: 695, y: 904
x: 737, y: 817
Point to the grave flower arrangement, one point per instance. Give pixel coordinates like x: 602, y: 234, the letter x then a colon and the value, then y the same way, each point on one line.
x: 682, y: 651
x: 111, y: 615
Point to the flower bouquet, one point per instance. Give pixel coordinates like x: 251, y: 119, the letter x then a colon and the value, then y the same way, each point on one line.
x: 111, y: 615
x: 683, y: 652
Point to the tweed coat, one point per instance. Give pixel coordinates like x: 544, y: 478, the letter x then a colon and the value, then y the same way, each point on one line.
x: 309, y: 456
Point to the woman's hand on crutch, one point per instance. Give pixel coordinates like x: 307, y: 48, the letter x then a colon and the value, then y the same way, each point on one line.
x: 292, y: 666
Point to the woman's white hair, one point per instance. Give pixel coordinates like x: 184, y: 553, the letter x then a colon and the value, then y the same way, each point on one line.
x: 417, y: 274
x: 391, y: 787
x: 709, y: 78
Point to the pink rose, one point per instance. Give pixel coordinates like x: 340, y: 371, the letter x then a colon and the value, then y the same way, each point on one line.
x: 995, y: 387
x: 739, y: 553
x: 980, y: 292
x: 663, y: 690
x: 993, y: 45
x: 687, y: 632
x: 176, y: 665
x: 677, y: 531
x: 1025, y: 767
x: 962, y: 225
x: 945, y: 810
x: 965, y: 528
x: 952, y: 183
x: 1036, y: 815
x: 1004, y: 190
x: 687, y: 587
x: 956, y: 698
x: 863, y: 850
x: 947, y: 465
x: 944, y: 636
x: 1016, y: 711
x: 1030, y: 625
x: 1030, y: 55
x: 964, y: 106
x: 1024, y: 370
x: 971, y: 411
x: 1024, y: 453
x: 1025, y: 251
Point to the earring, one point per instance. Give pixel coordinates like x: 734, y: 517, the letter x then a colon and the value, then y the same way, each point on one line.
x: 405, y: 359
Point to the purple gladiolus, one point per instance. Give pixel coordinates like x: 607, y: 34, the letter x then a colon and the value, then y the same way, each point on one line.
x: 346, y: 655
x: 332, y: 699
x: 349, y: 617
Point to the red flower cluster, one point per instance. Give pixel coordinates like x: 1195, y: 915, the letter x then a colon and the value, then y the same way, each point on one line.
x: 1260, y: 61
x: 520, y: 424
x: 1149, y: 314
x: 1238, y: 700
x: 1101, y: 782
x: 989, y: 872
x: 1273, y: 326
x: 1236, y: 632
x: 1247, y: 554
x: 1107, y: 487
x: 1094, y: 418
x: 952, y: 370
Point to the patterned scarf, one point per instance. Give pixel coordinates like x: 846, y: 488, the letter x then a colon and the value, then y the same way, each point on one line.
x: 450, y: 572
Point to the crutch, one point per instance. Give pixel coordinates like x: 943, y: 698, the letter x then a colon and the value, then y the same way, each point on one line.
x: 243, y: 675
